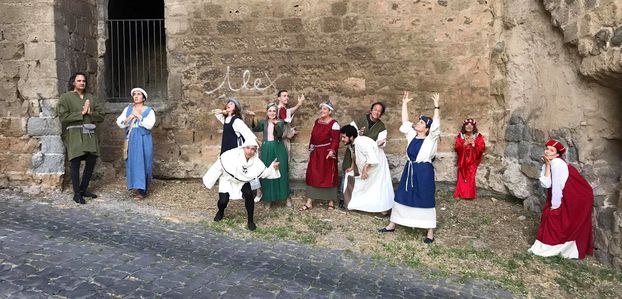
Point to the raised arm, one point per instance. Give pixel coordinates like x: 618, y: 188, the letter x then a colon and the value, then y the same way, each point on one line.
x: 301, y: 99
x: 437, y: 108
x: 405, y: 100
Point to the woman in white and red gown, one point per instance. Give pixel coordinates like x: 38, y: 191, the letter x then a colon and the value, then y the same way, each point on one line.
x: 566, y: 223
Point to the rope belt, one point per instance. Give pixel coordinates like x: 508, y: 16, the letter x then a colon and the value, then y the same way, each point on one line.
x: 314, y: 146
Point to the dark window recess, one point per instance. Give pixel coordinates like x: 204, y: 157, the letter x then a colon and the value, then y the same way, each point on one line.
x: 136, y: 49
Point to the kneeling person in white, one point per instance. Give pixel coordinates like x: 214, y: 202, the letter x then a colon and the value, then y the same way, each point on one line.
x: 236, y: 168
x: 373, y: 190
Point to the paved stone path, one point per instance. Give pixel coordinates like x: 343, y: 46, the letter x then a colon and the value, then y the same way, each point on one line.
x: 87, y: 251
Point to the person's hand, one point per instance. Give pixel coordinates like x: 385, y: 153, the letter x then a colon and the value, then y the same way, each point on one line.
x: 217, y: 111
x: 405, y: 98
x: 349, y: 169
x: 547, y: 159
x: 275, y: 164
x: 251, y: 113
x: 435, y: 97
x: 381, y: 142
x: 86, y: 108
x: 301, y: 98
x: 331, y: 155
x: 294, y: 131
x: 364, y: 174
x: 136, y: 114
x: 361, y: 130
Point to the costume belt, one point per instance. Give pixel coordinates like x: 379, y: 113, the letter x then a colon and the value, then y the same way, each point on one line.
x: 86, y: 128
x: 409, y: 174
x: 314, y: 146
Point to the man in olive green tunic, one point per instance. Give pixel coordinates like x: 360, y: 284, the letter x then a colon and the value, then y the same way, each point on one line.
x: 371, y: 126
x: 78, y: 111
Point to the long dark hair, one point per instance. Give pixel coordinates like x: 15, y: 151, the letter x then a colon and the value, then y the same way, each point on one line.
x: 464, y: 131
x: 72, y: 80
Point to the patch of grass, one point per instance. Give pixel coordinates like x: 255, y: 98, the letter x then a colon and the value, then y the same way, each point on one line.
x: 486, y: 220
x: 282, y: 232
x: 305, y: 238
x: 318, y: 226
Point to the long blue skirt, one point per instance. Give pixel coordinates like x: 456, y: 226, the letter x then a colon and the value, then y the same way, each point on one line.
x: 139, y: 164
x: 417, y: 186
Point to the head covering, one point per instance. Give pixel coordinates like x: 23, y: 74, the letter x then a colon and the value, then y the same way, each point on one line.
x: 556, y: 144
x: 426, y: 120
x: 272, y: 105
x: 250, y: 142
x: 469, y: 121
x: 235, y: 102
x: 138, y: 89
x: 328, y: 105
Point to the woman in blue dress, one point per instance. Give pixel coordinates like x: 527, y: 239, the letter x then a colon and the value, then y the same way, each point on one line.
x: 138, y: 119
x: 414, y: 198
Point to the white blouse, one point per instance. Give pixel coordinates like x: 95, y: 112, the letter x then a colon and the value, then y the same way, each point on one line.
x: 430, y: 143
x: 557, y: 180
x: 238, y: 125
x: 146, y: 122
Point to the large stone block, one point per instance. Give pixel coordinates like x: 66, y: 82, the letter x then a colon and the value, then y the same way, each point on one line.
x: 11, y: 51
x: 52, y: 144
x: 514, y: 133
x: 13, y: 126
x: 15, y: 163
x: 48, y: 107
x: 517, y: 184
x: 41, y: 126
x: 48, y: 163
x: 18, y: 145
x: 40, y: 51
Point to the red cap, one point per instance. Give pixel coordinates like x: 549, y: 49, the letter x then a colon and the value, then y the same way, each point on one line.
x: 556, y: 144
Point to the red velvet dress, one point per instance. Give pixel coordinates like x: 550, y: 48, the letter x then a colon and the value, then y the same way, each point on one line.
x: 322, y: 172
x: 469, y: 158
x: 568, y: 224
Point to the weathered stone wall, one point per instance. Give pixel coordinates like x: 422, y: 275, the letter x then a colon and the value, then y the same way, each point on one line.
x: 42, y: 43
x: 595, y: 27
x: 548, y: 98
x: 28, y: 79
x: 352, y: 52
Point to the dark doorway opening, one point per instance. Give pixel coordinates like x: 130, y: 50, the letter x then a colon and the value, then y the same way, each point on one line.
x: 136, y: 49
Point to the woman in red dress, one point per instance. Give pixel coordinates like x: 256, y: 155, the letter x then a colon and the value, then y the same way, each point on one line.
x: 470, y: 147
x: 322, y: 178
x: 566, y: 223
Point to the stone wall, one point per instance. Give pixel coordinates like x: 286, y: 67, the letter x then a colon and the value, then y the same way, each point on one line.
x: 548, y: 98
x: 595, y: 27
x: 42, y: 42
x: 352, y: 52
x: 27, y: 82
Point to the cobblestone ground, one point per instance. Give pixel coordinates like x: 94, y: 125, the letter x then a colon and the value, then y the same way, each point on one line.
x: 88, y: 251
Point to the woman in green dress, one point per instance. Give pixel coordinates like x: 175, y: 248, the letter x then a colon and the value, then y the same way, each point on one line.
x: 272, y: 149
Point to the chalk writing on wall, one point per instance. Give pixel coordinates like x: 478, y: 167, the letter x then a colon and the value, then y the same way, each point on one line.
x: 257, y: 85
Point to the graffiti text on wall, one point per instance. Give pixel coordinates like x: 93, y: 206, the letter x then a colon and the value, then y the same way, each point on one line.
x: 245, y: 86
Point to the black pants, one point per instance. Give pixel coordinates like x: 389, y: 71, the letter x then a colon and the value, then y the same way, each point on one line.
x: 90, y: 160
x: 247, y: 195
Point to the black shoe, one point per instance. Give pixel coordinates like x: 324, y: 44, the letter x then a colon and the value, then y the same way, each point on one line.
x: 252, y: 226
x: 79, y: 199
x: 428, y: 240
x: 219, y: 216
x: 342, y: 204
x: 386, y: 230
x: 88, y: 194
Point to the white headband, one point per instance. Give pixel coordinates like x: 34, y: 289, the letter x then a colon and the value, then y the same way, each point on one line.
x: 138, y: 89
